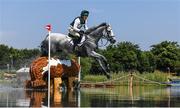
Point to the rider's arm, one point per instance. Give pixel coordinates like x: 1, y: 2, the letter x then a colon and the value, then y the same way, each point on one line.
x: 76, y: 23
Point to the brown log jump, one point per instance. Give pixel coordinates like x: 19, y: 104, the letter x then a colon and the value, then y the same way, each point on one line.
x: 59, y: 68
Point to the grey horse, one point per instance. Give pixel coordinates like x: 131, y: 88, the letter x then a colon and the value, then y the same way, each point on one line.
x: 61, y: 42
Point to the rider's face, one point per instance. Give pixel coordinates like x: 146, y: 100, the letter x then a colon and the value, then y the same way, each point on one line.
x: 85, y: 17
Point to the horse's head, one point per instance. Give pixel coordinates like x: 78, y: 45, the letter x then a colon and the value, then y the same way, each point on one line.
x: 103, y: 30
x: 108, y: 34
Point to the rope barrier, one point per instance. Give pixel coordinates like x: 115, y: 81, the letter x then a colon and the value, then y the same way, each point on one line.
x: 109, y: 80
x: 148, y: 80
x: 115, y: 80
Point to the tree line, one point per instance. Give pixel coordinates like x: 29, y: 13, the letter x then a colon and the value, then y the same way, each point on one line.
x: 124, y: 56
x: 16, y: 58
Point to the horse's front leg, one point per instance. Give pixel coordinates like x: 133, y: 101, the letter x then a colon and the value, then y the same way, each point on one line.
x: 102, y: 61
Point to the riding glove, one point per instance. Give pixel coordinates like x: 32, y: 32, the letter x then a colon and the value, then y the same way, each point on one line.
x: 81, y: 32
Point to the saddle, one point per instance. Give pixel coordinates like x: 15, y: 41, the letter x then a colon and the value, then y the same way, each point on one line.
x: 76, y: 42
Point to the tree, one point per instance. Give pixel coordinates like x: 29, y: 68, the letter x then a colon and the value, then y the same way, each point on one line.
x: 123, y: 56
x: 167, y: 54
x: 4, y: 51
x: 146, y: 62
x: 85, y: 66
x: 16, y: 57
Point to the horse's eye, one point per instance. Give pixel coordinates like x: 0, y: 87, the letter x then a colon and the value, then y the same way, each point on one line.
x: 108, y: 32
x: 109, y: 29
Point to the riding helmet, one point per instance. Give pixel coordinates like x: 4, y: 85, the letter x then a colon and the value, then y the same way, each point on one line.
x: 84, y: 13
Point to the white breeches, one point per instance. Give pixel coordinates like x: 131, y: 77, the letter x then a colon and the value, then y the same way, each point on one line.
x: 73, y: 32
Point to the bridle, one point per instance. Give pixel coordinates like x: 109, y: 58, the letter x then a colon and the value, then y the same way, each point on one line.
x: 106, y: 35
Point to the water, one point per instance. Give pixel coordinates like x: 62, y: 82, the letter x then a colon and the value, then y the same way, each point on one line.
x: 132, y: 97
x: 122, y: 96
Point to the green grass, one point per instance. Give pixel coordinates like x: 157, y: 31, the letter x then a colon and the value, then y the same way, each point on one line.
x: 156, y: 76
x: 4, y: 71
x: 1, y: 75
x: 5, y: 81
x: 94, y: 78
x: 141, y: 79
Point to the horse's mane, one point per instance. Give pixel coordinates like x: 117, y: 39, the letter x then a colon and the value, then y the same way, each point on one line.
x: 95, y: 27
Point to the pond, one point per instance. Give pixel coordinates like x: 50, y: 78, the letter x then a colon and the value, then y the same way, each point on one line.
x: 119, y: 96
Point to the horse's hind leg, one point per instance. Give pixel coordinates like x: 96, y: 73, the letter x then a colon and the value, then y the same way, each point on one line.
x: 104, y: 68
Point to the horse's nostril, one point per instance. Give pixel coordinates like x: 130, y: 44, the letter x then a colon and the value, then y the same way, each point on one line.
x: 114, y: 41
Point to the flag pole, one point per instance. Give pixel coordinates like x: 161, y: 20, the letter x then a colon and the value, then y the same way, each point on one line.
x: 49, y: 70
x: 79, y: 74
x: 48, y: 27
x: 79, y: 79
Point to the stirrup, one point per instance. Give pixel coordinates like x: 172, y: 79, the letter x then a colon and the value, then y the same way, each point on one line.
x: 80, y: 44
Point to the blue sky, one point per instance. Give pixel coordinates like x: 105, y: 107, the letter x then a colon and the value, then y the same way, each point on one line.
x: 142, y: 22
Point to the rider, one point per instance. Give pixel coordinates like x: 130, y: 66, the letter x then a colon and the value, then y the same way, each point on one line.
x: 78, y: 27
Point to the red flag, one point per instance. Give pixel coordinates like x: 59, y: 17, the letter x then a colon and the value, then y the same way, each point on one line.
x: 48, y: 27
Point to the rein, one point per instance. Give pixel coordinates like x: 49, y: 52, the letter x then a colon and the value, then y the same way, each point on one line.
x: 102, y: 43
x: 103, y: 37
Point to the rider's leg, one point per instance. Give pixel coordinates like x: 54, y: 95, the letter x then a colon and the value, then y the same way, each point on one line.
x: 79, y: 40
x: 76, y: 37
x: 82, y: 40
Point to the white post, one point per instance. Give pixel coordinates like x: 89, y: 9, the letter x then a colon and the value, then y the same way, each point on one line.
x: 7, y: 67
x: 7, y: 99
x: 48, y: 27
x: 49, y: 77
x: 79, y: 79
x: 79, y: 75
